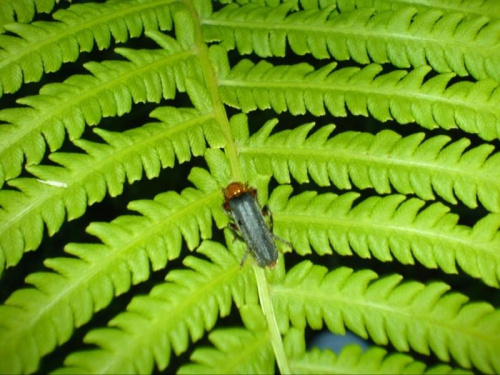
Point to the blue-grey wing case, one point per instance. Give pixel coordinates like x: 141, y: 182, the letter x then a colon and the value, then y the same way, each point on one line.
x: 250, y: 221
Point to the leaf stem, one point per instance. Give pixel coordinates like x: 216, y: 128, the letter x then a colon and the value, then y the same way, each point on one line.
x: 267, y: 308
x: 213, y: 89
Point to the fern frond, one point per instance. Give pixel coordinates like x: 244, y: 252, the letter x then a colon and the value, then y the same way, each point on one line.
x: 87, y: 282
x: 23, y: 10
x: 182, y: 308
x: 410, y: 165
x: 237, y: 350
x: 449, y: 42
x: 472, y: 107
x: 387, y: 227
x: 104, y: 168
x: 408, y: 315
x: 42, y: 47
x: 180, y: 317
x: 110, y: 90
x: 485, y: 8
x: 352, y: 360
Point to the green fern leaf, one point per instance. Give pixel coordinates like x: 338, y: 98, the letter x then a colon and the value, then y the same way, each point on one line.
x: 487, y: 8
x: 110, y: 90
x: 185, y: 84
x: 103, y: 169
x: 182, y: 308
x: 405, y: 37
x: 408, y: 315
x: 237, y: 351
x: 23, y: 10
x: 352, y: 360
x: 472, y: 107
x: 132, y: 245
x: 387, y: 227
x: 20, y: 231
x: 43, y: 46
x: 382, y: 161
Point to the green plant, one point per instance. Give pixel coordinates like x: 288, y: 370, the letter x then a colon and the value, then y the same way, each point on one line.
x: 394, y: 228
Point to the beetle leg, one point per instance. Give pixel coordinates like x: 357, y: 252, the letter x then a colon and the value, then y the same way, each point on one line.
x: 228, y: 213
x: 245, y: 256
x: 283, y: 240
x: 236, y: 233
x: 234, y: 230
x: 266, y: 211
x: 232, y: 226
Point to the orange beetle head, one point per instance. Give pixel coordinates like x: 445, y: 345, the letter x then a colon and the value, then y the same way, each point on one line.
x: 234, y: 190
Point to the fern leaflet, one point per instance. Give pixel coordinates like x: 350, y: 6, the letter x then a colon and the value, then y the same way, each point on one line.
x: 110, y: 90
x: 237, y: 350
x: 42, y: 46
x: 389, y: 226
x: 352, y: 360
x: 410, y: 165
x: 182, y: 308
x: 104, y: 168
x: 87, y: 282
x: 22, y: 10
x: 387, y: 310
x: 472, y: 107
x: 486, y: 8
x: 404, y: 37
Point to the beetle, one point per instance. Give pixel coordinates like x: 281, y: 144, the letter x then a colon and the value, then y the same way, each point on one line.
x: 240, y: 202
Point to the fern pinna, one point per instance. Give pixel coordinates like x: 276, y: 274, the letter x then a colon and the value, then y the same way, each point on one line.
x: 123, y: 120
